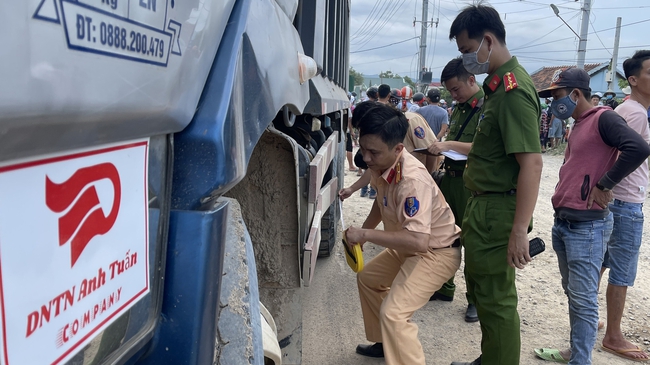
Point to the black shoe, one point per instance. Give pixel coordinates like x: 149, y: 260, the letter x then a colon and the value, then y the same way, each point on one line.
x: 375, y: 350
x: 438, y: 296
x: 471, y: 316
x: 475, y: 362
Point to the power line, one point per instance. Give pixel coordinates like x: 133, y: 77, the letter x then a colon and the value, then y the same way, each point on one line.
x: 392, y: 12
x: 361, y: 29
x: 384, y: 46
x: 597, y: 36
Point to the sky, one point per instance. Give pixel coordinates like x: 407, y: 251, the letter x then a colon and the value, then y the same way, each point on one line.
x: 382, y: 36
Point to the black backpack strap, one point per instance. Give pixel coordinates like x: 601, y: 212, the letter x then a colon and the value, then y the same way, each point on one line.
x: 471, y: 114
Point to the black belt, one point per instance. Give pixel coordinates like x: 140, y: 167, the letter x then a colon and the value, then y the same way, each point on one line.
x: 509, y: 192
x: 454, y: 173
x: 455, y: 244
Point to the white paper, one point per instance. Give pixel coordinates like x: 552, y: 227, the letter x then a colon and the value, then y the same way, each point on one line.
x: 456, y: 156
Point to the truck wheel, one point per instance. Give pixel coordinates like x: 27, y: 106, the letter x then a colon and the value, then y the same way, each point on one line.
x: 328, y: 230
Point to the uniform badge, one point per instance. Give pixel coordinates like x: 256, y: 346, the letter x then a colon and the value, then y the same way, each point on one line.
x: 480, y: 119
x: 411, y: 206
x: 509, y: 81
x: 419, y: 132
x: 398, y: 173
x: 494, y: 82
x: 391, y: 176
x: 385, y: 202
x: 474, y: 102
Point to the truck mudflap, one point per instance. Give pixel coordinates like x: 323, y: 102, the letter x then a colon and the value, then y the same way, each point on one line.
x: 320, y: 198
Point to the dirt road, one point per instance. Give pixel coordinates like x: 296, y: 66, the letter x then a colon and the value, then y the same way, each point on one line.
x: 333, y: 325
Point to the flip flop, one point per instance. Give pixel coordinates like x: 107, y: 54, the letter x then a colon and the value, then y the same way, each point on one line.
x: 552, y: 355
x: 624, y: 353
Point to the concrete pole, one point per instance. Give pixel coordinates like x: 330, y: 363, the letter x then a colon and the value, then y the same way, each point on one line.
x: 584, y: 29
x: 614, y: 63
x: 423, y: 36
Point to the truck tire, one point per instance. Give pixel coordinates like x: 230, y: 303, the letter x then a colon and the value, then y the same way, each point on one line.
x: 329, y: 230
x: 331, y: 216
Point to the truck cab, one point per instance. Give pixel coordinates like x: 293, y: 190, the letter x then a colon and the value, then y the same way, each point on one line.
x: 168, y: 174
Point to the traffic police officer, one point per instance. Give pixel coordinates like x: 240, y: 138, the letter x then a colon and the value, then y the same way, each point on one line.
x: 503, y: 171
x: 464, y: 89
x: 420, y: 237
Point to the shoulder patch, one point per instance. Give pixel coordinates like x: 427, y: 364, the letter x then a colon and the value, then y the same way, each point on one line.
x: 419, y: 132
x: 509, y: 81
x: 411, y: 206
x: 398, y: 173
x: 494, y: 82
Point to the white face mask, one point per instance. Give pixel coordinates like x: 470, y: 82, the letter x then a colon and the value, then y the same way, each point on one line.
x: 471, y: 63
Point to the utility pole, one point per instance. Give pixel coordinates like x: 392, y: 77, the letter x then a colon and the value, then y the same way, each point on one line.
x: 584, y: 29
x: 423, y: 35
x: 423, y: 42
x: 614, y: 62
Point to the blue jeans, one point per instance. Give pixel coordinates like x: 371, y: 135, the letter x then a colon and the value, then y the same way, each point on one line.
x: 580, y: 248
x: 622, y: 254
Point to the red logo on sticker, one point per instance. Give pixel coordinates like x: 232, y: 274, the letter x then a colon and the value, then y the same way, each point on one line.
x: 77, y: 197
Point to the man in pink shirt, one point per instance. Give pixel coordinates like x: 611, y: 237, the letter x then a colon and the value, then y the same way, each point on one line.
x: 623, y: 247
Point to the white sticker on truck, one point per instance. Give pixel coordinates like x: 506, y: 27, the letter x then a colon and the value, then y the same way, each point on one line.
x: 135, y: 30
x: 73, y: 248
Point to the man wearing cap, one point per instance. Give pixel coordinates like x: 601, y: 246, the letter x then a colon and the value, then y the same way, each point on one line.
x: 610, y: 99
x: 464, y: 89
x: 627, y: 208
x: 418, y: 102
x: 503, y: 171
x: 420, y: 238
x: 583, y: 222
x: 435, y: 115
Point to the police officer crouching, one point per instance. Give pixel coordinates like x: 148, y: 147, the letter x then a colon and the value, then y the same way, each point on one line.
x: 421, y: 240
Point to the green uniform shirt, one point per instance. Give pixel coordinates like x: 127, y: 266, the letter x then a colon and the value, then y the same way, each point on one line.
x: 458, y: 117
x: 509, y: 124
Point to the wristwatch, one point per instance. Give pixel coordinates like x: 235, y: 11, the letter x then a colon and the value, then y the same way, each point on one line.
x: 601, y: 187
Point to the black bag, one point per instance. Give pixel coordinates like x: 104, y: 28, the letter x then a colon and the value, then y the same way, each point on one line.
x: 437, y: 176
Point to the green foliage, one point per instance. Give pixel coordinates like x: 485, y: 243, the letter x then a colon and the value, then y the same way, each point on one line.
x: 389, y: 75
x: 358, y: 77
x: 409, y: 82
x: 622, y: 83
x: 446, y: 95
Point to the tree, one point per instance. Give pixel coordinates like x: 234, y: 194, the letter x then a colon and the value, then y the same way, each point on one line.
x: 358, y: 77
x: 622, y: 83
x: 410, y: 82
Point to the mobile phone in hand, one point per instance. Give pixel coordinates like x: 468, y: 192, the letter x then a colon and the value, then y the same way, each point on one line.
x: 536, y: 246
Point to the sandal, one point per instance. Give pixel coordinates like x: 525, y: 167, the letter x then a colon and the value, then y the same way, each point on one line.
x: 552, y: 355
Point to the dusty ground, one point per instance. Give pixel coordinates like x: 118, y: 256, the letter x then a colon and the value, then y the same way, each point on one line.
x: 332, y: 317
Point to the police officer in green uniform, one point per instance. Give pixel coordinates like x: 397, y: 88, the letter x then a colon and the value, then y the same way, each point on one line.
x: 503, y: 171
x: 469, y: 96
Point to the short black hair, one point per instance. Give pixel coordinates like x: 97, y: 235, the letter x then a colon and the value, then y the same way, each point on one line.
x: 454, y: 68
x: 383, y: 90
x: 586, y: 93
x: 632, y: 66
x: 476, y: 20
x: 389, y: 124
x: 372, y: 92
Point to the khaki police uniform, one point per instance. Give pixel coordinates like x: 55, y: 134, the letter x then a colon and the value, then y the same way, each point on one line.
x: 509, y: 124
x: 452, y: 186
x: 394, y: 284
x: 419, y: 135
